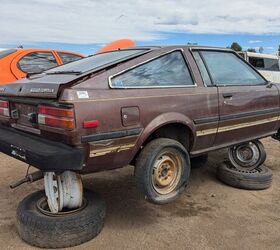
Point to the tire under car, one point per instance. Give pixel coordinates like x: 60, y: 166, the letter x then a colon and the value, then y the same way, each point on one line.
x: 38, y: 227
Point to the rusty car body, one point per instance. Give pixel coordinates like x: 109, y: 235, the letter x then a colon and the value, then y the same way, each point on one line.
x: 152, y: 107
x: 111, y: 123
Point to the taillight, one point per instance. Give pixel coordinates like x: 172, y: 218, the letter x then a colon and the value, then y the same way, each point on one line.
x: 4, y: 108
x: 56, y: 117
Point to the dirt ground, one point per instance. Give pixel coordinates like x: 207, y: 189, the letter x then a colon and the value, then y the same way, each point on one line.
x: 209, y: 215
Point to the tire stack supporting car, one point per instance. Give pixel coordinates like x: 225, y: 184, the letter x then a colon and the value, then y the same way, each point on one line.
x: 245, y: 168
x: 39, y: 227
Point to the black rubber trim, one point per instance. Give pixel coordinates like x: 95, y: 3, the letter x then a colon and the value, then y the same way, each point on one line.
x: 39, y: 152
x: 206, y: 120
x: 251, y: 113
x: 111, y: 135
x: 210, y: 119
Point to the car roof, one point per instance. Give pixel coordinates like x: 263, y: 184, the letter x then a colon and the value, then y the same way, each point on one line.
x: 195, y: 47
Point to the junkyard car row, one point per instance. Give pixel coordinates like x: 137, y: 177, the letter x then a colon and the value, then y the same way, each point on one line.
x: 151, y: 107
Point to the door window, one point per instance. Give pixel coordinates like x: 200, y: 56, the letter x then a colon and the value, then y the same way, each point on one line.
x: 37, y: 62
x: 227, y: 68
x: 203, y: 71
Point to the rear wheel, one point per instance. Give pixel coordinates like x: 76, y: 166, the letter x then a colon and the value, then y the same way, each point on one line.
x: 247, y: 156
x: 162, y: 170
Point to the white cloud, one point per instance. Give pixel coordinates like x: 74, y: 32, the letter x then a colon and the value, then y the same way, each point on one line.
x: 90, y: 21
x: 254, y: 41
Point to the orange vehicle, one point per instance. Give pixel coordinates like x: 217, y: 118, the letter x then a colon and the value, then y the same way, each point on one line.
x: 16, y: 63
x: 117, y: 44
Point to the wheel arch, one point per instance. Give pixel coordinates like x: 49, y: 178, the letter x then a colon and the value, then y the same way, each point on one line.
x: 169, y: 125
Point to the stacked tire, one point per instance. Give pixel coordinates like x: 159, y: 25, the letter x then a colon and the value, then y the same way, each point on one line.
x: 248, y: 172
x: 38, y: 227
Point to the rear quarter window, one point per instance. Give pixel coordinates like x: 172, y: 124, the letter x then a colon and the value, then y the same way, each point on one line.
x: 37, y: 62
x: 67, y: 57
x: 169, y: 70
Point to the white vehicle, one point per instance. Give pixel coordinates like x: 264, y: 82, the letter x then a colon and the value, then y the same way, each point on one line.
x: 268, y: 65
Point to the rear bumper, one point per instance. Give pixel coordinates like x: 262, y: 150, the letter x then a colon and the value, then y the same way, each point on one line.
x: 39, y: 152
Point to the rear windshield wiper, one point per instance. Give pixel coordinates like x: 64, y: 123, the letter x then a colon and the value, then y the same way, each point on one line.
x: 66, y: 72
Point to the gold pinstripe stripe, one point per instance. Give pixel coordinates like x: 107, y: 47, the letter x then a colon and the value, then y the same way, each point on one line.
x: 104, y: 151
x: 237, y: 126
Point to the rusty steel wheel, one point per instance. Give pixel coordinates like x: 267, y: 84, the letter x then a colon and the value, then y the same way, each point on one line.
x: 162, y: 170
x: 167, y: 171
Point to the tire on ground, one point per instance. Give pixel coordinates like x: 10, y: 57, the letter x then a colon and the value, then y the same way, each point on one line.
x: 257, y: 179
x: 145, y: 170
x: 41, y: 230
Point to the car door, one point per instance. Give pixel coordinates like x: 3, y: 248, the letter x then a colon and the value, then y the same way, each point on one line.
x: 248, y: 104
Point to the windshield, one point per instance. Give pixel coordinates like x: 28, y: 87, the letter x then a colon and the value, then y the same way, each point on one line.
x: 6, y: 52
x: 95, y: 61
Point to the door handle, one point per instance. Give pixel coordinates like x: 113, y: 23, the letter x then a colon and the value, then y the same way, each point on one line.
x: 227, y: 95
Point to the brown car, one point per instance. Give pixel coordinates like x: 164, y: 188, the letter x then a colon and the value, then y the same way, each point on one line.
x: 152, y: 107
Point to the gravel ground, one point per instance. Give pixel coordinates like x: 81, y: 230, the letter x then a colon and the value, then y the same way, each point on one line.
x: 209, y: 215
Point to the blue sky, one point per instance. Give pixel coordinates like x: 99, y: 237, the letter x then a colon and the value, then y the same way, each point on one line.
x: 270, y: 43
x: 84, y: 26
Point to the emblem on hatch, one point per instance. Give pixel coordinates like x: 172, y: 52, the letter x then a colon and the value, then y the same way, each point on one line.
x: 41, y: 90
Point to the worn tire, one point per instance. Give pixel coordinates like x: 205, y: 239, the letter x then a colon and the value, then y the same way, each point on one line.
x: 144, y: 169
x: 72, y: 229
x: 260, y: 155
x: 199, y: 161
x: 257, y: 179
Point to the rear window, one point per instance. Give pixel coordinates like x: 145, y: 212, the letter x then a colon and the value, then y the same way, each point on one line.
x: 96, y: 61
x: 6, y: 52
x: 265, y: 63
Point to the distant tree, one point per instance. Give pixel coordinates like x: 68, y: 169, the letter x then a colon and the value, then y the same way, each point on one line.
x: 261, y: 49
x: 235, y: 46
x: 279, y: 50
x: 251, y: 50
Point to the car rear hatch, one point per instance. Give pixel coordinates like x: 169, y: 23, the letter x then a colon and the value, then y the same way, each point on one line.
x: 20, y: 102
x: 25, y: 98
x: 41, y: 86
